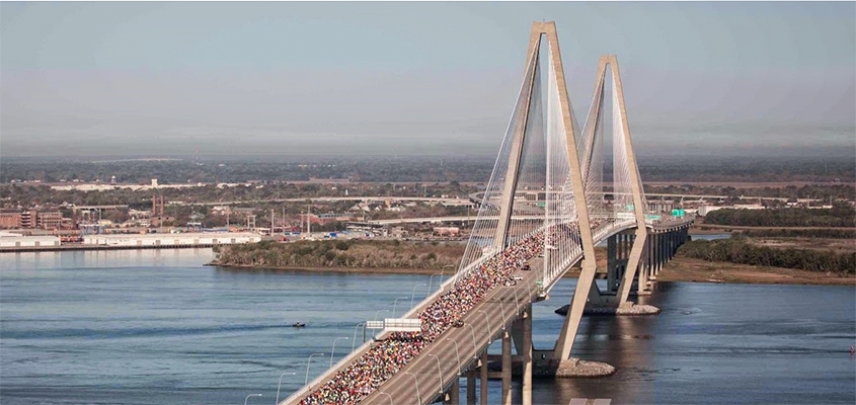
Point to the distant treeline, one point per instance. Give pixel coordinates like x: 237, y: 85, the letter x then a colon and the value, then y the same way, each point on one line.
x: 835, y: 233
x: 407, y: 169
x: 840, y: 216
x: 342, y: 253
x: 739, y: 250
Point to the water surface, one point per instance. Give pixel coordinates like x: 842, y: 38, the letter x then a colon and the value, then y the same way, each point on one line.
x: 157, y: 327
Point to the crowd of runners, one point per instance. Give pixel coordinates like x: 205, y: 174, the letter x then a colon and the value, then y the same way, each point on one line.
x: 385, y: 358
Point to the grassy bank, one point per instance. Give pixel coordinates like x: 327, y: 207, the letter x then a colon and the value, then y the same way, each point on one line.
x: 391, y: 257
x: 342, y: 254
x: 697, y: 270
x: 742, y: 250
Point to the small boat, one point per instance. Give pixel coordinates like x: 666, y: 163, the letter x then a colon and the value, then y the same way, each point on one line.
x: 298, y: 325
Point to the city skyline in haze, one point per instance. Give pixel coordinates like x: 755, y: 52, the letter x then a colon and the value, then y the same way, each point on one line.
x: 147, y: 79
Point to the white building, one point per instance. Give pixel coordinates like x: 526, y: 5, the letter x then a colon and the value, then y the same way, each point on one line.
x: 172, y: 239
x: 704, y: 210
x: 13, y: 241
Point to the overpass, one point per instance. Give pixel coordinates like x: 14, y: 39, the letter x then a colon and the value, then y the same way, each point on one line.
x: 445, y: 201
x: 517, y: 253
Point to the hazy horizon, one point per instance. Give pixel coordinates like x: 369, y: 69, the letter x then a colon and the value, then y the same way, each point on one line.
x: 306, y: 79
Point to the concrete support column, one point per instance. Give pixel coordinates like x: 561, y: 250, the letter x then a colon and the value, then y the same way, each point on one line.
x: 628, y: 245
x: 611, y: 279
x: 659, y: 259
x: 455, y: 392
x: 625, y: 239
x: 670, y: 245
x: 527, y: 357
x: 483, y: 378
x: 642, y: 277
x: 506, y: 368
x: 648, y: 259
x: 471, y: 386
x: 673, y: 246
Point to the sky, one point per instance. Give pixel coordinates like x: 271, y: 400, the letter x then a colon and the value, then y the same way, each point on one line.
x: 389, y: 78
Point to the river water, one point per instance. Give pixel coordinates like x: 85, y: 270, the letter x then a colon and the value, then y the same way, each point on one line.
x: 157, y: 327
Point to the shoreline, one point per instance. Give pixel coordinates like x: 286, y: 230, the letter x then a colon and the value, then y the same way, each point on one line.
x: 683, y: 269
x: 725, y: 273
x: 331, y: 269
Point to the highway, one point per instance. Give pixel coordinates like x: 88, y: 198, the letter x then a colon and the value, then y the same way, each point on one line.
x: 446, y: 201
x: 450, y: 219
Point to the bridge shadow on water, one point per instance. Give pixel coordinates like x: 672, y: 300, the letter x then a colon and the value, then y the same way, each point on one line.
x: 625, y: 342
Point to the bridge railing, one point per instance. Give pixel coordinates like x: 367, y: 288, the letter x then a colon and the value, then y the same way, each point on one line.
x: 357, y: 353
x: 555, y: 274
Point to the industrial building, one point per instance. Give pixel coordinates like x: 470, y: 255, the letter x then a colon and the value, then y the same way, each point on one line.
x: 9, y: 240
x: 31, y: 219
x: 171, y: 239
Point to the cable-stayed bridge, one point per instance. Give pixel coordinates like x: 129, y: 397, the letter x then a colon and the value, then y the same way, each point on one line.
x: 518, y: 250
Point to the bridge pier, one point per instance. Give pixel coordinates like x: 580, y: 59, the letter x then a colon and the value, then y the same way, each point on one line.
x: 483, y: 378
x: 653, y: 250
x: 506, y: 368
x: 455, y: 392
x: 642, y: 285
x: 627, y: 271
x: 527, y: 357
x: 471, y: 386
x: 649, y: 259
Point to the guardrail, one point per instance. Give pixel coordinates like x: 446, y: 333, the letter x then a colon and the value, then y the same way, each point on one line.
x: 569, y: 261
x: 327, y: 375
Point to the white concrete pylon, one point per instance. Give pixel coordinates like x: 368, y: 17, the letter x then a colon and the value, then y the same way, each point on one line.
x: 639, y: 203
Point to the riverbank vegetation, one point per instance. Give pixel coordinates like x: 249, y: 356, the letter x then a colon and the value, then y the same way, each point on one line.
x: 829, y: 233
x: 355, y: 254
x: 741, y: 250
x: 839, y: 216
x: 685, y: 269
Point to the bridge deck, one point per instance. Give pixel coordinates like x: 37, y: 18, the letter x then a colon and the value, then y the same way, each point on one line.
x: 483, y: 323
x: 456, y: 348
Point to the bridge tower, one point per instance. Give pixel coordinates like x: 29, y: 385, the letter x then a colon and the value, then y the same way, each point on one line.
x: 542, y: 154
x: 625, y: 249
x: 543, y: 209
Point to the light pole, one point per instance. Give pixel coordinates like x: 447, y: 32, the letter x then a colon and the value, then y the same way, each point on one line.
x: 439, y: 373
x: 388, y: 396
x: 278, y: 386
x: 443, y: 271
x: 354, y: 339
x: 415, y: 381
x: 309, y: 361
x: 516, y: 298
x: 473, y: 332
x: 431, y: 281
x: 529, y: 289
x: 457, y: 353
x: 395, y: 304
x: 251, y: 395
x: 333, y: 350
x: 504, y: 320
x: 412, y: 293
x: 487, y: 323
x: 379, y: 311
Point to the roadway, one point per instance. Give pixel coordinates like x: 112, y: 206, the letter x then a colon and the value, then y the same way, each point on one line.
x: 477, y: 196
x: 437, y: 366
x: 421, y: 378
x: 446, y: 201
x: 484, y: 322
